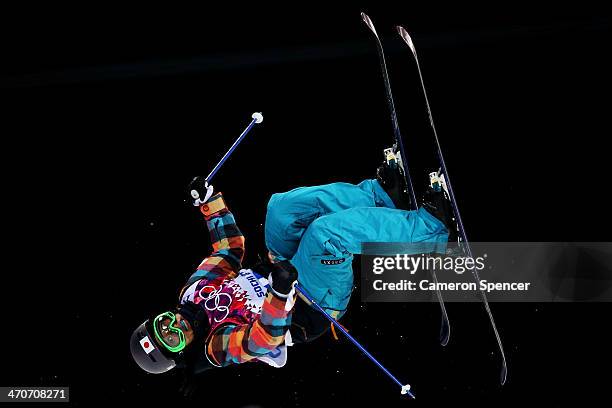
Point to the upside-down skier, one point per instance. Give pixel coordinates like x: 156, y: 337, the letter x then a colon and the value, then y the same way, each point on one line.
x: 228, y: 314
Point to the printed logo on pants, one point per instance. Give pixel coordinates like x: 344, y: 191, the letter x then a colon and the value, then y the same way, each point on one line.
x: 333, y: 261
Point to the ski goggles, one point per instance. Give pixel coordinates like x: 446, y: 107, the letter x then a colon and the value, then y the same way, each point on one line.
x: 172, y: 338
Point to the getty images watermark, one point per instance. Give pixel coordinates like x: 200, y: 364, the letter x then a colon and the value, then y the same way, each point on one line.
x: 506, y: 272
x: 412, y: 264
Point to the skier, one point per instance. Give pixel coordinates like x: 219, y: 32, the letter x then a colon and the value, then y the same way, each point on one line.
x: 230, y: 315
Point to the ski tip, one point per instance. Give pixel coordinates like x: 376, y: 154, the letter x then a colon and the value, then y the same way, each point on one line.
x: 444, y: 335
x: 406, y: 37
x: 368, y: 21
x: 504, y: 374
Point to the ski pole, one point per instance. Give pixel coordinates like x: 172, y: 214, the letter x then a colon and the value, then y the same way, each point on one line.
x: 257, y: 118
x: 405, y: 388
x: 195, y: 194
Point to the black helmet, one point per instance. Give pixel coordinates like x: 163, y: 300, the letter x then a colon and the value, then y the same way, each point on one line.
x: 148, y: 353
x: 156, y: 353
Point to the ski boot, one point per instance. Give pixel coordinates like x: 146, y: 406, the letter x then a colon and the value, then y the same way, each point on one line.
x: 392, y: 177
x: 436, y: 201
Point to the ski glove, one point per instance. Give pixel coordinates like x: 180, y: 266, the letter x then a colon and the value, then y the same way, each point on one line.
x: 282, y: 276
x: 200, y: 191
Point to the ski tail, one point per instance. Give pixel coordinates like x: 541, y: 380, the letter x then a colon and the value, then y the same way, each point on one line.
x: 461, y: 229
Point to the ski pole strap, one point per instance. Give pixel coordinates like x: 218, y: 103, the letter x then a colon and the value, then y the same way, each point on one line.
x: 405, y: 389
x: 257, y: 118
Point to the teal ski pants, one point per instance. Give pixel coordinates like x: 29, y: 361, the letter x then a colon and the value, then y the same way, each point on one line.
x: 320, y: 228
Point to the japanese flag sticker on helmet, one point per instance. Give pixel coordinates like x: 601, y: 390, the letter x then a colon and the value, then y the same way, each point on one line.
x: 147, y: 345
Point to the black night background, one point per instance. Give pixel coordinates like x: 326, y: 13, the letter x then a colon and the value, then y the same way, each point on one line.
x: 109, y: 111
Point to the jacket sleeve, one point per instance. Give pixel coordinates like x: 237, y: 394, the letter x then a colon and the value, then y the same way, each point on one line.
x: 236, y: 344
x: 227, y: 242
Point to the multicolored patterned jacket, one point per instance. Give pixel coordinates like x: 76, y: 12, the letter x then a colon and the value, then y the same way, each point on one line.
x: 248, y: 320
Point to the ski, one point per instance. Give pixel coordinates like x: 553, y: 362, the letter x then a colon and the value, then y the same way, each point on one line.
x: 399, y: 148
x: 463, y: 241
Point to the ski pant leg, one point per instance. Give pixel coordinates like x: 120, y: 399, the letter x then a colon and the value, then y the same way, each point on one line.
x: 325, y: 254
x: 289, y: 214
